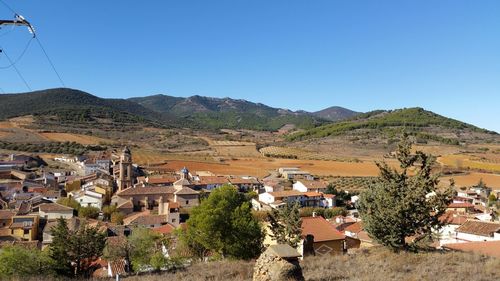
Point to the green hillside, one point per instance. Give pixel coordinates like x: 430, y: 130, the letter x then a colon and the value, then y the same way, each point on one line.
x: 416, y: 121
x: 70, y: 105
x: 217, y: 113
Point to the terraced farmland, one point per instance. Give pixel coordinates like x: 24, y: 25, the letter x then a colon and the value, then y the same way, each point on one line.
x: 461, y: 161
x: 351, y: 184
x: 297, y: 153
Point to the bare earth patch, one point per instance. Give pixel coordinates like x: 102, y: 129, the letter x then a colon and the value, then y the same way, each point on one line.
x: 81, y: 139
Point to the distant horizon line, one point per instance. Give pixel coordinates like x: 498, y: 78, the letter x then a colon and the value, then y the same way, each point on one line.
x: 242, y: 99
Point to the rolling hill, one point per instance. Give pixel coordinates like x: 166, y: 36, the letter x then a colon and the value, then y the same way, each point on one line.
x: 335, y: 113
x: 202, y: 112
x: 425, y: 125
x: 76, y: 108
x: 74, y: 105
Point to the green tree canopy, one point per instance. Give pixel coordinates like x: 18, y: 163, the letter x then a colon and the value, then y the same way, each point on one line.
x: 20, y: 262
x: 88, y: 212
x: 399, y: 206
x: 74, y: 251
x: 223, y: 225
x: 285, y: 224
x: 69, y: 202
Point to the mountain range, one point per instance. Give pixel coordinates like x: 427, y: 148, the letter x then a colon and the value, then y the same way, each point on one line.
x: 162, y: 110
x: 69, y: 106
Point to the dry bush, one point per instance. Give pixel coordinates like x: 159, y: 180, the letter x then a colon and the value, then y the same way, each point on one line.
x: 380, y: 264
x: 364, y: 265
x: 213, y: 271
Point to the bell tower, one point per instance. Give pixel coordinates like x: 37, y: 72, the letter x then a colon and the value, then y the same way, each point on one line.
x: 125, y: 178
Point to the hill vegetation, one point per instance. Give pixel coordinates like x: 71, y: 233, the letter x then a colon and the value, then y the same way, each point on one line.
x: 227, y: 113
x: 415, y: 121
x: 335, y: 113
x: 74, y: 108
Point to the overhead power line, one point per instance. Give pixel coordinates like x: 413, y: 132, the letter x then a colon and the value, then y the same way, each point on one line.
x: 50, y: 61
x: 20, y: 20
x: 16, y: 69
x: 19, y: 57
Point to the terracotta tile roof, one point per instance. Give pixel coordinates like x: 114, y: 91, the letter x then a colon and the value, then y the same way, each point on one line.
x: 240, y: 180
x: 461, y: 205
x: 363, y: 236
x: 6, y: 214
x: 116, y: 241
x: 355, y: 227
x: 489, y: 248
x: 312, y: 194
x: 321, y: 229
x: 126, y: 205
x: 5, y: 232
x: 329, y: 195
x: 73, y: 224
x: 480, y: 228
x: 186, y: 190
x: 313, y: 184
x: 182, y: 182
x: 146, y: 191
x: 148, y: 220
x: 162, y: 180
x: 54, y: 207
x: 164, y: 229
x: 24, y: 208
x: 23, y: 225
x: 453, y: 218
x: 286, y: 193
x: 205, y: 180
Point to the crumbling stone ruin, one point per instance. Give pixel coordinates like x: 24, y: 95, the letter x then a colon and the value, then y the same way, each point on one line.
x: 277, y: 263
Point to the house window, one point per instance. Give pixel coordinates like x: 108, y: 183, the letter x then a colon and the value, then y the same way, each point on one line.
x: 173, y: 220
x: 187, y: 202
x: 26, y: 231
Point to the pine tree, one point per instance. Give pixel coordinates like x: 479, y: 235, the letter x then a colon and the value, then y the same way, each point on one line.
x: 223, y: 225
x: 285, y: 225
x: 74, y: 251
x: 399, y: 206
x: 59, y: 248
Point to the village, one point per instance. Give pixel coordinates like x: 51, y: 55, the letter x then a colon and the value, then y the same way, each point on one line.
x: 107, y: 190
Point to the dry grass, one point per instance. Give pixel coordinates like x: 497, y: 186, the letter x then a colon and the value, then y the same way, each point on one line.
x: 81, y: 139
x: 260, y: 167
x: 150, y: 157
x: 471, y: 179
x: 460, y: 161
x: 375, y: 264
x: 237, y: 151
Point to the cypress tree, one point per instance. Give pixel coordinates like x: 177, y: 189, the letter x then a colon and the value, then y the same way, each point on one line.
x: 285, y: 225
x: 399, y: 206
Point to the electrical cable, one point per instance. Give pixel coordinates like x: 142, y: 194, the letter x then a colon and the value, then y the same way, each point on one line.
x: 8, y: 7
x: 19, y: 57
x: 16, y: 69
x: 49, y: 60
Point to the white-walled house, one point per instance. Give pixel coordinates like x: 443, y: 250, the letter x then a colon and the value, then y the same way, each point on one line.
x: 309, y: 186
x: 452, y: 221
x: 88, y: 198
x: 474, y: 230
x: 288, y: 196
x: 330, y: 201
x: 52, y: 211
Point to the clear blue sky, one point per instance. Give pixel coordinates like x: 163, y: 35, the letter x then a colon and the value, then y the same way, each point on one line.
x: 363, y: 55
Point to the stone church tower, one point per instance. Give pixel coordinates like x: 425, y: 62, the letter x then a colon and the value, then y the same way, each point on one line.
x: 125, y: 178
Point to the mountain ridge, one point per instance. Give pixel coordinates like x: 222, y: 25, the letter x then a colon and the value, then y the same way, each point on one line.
x: 199, y: 112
